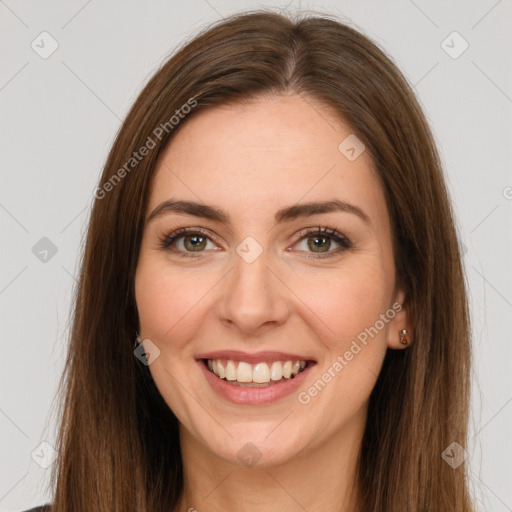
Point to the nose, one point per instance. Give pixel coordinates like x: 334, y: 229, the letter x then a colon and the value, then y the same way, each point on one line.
x: 254, y: 298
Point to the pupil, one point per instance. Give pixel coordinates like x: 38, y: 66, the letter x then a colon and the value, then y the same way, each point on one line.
x: 196, y: 242
x: 318, y: 242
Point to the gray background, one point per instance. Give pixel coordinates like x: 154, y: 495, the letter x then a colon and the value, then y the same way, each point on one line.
x: 59, y: 116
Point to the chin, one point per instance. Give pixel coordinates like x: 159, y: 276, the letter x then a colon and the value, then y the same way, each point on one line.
x: 256, y: 446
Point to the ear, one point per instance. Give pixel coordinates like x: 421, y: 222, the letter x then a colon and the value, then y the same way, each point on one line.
x: 399, y: 322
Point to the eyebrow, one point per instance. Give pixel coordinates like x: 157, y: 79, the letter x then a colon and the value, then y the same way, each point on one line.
x: 284, y: 215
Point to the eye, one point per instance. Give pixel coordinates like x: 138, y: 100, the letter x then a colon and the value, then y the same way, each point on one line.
x: 319, y: 242
x: 186, y: 242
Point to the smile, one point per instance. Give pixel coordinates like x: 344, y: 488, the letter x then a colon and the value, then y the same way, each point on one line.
x: 254, y: 380
x: 244, y: 374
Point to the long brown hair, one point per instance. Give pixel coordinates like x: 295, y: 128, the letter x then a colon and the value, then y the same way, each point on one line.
x: 118, y: 441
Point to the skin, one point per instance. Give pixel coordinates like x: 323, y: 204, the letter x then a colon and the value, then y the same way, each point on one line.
x: 252, y: 160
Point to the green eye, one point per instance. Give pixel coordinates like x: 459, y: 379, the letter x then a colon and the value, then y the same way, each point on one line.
x: 190, y: 242
x: 320, y: 242
x: 186, y: 241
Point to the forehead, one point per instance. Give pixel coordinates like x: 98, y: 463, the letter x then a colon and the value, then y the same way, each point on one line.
x: 259, y: 156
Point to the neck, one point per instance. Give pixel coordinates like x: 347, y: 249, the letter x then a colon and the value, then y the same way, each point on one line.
x: 320, y: 477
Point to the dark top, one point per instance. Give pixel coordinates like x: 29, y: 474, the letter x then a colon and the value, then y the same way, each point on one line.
x: 41, y: 508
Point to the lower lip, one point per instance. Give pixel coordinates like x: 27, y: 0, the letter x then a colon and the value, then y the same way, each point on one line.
x: 254, y: 396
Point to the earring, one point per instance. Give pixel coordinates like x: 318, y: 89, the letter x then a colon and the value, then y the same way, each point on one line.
x: 404, y: 337
x: 138, y: 341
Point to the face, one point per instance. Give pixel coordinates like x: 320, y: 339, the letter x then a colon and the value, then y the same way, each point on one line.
x: 260, y: 280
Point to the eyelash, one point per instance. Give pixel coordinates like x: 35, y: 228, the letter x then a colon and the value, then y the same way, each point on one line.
x: 167, y: 240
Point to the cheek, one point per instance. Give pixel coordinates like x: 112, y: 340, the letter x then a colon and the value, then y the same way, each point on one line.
x: 344, y: 309
x: 168, y: 302
x: 346, y: 301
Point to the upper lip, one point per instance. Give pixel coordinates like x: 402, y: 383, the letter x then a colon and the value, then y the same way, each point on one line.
x: 254, y: 357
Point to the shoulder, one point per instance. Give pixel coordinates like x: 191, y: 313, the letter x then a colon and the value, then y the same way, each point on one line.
x: 41, y: 508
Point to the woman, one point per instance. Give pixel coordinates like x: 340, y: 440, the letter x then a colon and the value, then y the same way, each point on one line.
x: 271, y: 312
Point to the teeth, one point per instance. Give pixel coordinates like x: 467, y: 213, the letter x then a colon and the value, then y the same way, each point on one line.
x: 220, y: 370
x: 287, y: 369
x: 230, y: 371
x: 243, y: 372
x: 276, y: 371
x: 259, y: 373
